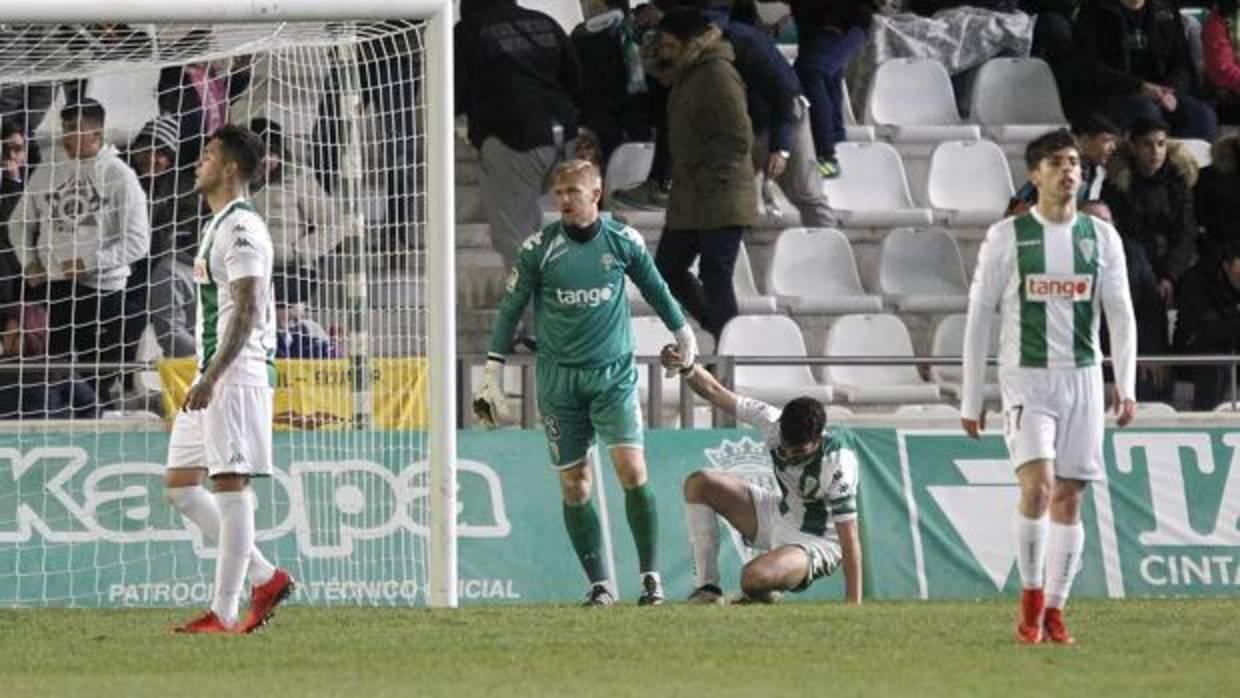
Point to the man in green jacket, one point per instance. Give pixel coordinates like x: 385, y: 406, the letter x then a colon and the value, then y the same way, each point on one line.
x: 713, y: 200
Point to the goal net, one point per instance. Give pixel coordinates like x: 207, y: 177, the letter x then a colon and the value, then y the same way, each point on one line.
x: 103, y: 125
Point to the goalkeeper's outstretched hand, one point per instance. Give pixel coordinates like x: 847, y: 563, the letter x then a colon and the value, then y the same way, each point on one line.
x: 686, y: 349
x: 490, y: 405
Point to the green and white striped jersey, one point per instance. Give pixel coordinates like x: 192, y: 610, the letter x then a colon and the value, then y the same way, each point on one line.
x: 1050, y: 283
x: 816, y: 491
x: 235, y: 244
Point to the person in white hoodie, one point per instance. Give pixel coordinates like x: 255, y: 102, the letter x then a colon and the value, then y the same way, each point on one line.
x: 81, y: 223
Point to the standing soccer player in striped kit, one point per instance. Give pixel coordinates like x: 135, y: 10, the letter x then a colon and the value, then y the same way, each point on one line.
x: 224, y: 429
x: 1049, y: 272
x: 575, y: 271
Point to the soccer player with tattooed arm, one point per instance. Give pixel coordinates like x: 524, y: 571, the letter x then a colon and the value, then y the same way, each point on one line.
x: 805, y: 530
x: 1050, y: 273
x: 224, y: 429
x: 575, y: 271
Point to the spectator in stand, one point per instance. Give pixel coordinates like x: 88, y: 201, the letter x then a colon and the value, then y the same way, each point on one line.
x: 1134, y: 63
x: 713, y: 200
x: 299, y: 337
x: 199, y: 94
x: 1149, y: 189
x: 80, y: 225
x: 1208, y: 322
x: 1153, y: 382
x: 1216, y: 198
x: 652, y: 194
x: 783, y: 144
x: 160, y: 290
x: 829, y: 34
x: 1052, y: 36
x: 518, y: 81
x: 1096, y: 138
x: 28, y: 388
x: 1220, y: 44
x: 616, y: 102
x: 13, y: 172
x: 388, y: 71
x: 305, y: 223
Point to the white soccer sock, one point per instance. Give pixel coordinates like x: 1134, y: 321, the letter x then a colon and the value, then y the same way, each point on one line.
x: 1031, y: 537
x: 704, y: 538
x: 198, y: 505
x: 1063, y: 561
x: 236, y: 540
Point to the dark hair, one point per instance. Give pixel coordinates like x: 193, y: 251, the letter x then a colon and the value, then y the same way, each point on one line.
x: 239, y: 145
x: 1146, y: 125
x: 1046, y: 145
x: 802, y: 421
x: 1093, y: 124
x: 9, y: 126
x: 85, y: 109
x: 270, y: 133
x: 684, y: 23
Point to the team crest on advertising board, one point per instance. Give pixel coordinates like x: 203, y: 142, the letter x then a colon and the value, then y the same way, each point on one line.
x: 748, y: 460
x: 1088, y: 248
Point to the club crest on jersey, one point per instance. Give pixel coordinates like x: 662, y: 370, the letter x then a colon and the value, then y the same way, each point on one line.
x: 1040, y: 288
x: 513, y: 277
x: 1088, y: 248
x: 608, y: 261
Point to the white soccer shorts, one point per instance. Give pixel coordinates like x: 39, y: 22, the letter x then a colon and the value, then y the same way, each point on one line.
x: 231, y: 436
x: 823, y: 551
x: 1055, y: 414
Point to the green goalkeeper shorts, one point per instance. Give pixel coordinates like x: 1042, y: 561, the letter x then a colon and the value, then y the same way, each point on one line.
x: 577, y: 403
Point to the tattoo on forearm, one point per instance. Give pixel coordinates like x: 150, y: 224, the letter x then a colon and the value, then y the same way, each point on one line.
x: 245, y: 294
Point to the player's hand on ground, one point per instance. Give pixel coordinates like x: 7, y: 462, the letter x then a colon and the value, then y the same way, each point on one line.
x: 974, y: 427
x: 490, y: 405
x: 1125, y: 411
x: 199, y: 396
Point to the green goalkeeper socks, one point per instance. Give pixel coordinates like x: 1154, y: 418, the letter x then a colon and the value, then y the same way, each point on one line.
x: 643, y: 515
x: 582, y: 523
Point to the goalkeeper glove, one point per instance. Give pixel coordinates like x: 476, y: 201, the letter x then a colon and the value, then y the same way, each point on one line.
x: 490, y: 405
x: 686, y: 346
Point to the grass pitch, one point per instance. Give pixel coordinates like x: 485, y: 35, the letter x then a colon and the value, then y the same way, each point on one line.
x: 1125, y: 648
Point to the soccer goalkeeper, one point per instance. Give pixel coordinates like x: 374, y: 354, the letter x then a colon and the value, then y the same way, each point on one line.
x: 575, y: 272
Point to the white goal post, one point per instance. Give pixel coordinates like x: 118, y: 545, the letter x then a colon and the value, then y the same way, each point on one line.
x: 439, y: 229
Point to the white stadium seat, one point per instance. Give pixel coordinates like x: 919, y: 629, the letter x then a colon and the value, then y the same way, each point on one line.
x: 949, y: 341
x: 1016, y: 100
x: 749, y: 301
x: 872, y: 189
x: 875, y: 335
x: 969, y: 184
x: 912, y: 101
x: 628, y: 165
x: 813, y: 271
x: 853, y: 131
x: 922, y: 272
x: 770, y: 335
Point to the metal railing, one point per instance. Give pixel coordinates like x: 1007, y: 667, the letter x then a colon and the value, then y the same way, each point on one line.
x: 724, y: 369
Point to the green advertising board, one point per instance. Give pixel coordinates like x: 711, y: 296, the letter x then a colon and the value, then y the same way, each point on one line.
x: 83, y: 520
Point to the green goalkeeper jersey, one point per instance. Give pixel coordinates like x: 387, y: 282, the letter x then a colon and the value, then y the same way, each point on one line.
x: 581, y: 308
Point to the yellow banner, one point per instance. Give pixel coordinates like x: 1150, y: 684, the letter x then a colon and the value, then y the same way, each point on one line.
x: 318, y: 393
